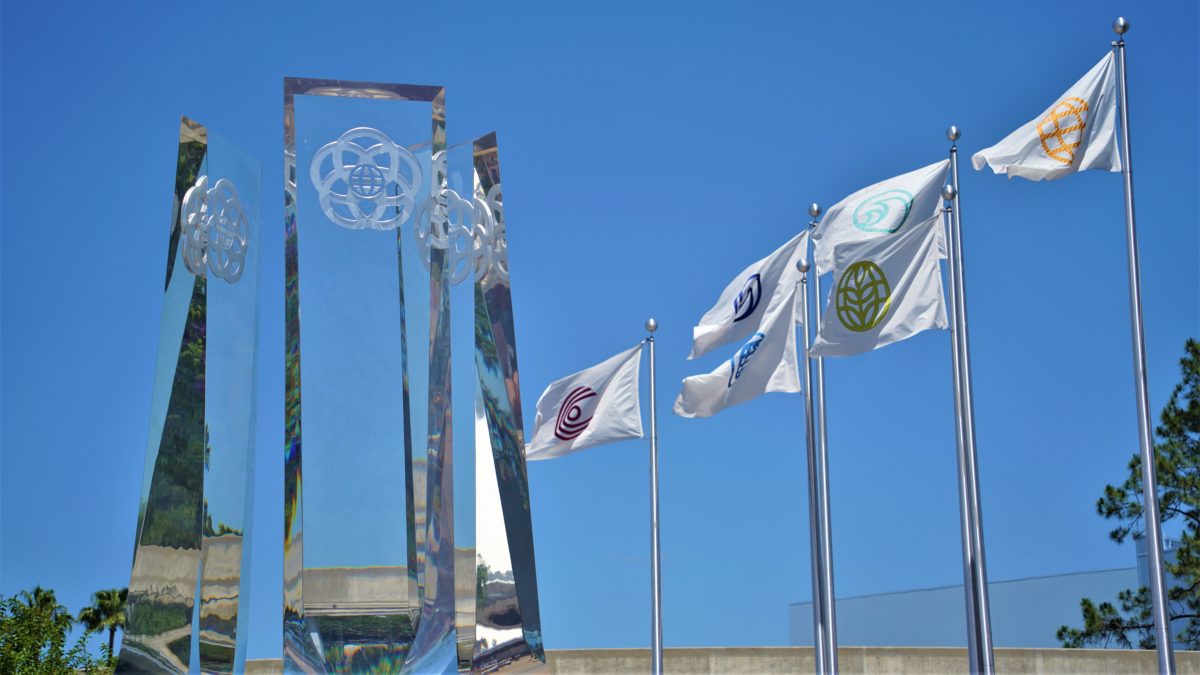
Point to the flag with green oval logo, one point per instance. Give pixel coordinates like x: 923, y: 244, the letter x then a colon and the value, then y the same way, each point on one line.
x: 884, y: 290
x: 884, y: 209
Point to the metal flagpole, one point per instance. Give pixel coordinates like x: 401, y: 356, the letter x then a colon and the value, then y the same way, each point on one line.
x: 656, y: 643
x: 964, y: 493
x: 1158, y: 593
x: 979, y: 579
x: 820, y: 658
x: 828, y: 601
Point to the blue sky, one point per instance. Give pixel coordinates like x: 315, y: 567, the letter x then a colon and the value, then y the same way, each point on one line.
x: 650, y: 152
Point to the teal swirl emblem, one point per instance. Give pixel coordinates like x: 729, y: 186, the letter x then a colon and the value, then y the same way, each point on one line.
x: 884, y: 212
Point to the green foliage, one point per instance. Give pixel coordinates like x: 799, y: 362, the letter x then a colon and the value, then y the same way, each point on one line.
x: 106, y: 613
x: 173, y: 515
x: 1177, y: 469
x: 481, y: 576
x: 154, y: 618
x: 33, y: 637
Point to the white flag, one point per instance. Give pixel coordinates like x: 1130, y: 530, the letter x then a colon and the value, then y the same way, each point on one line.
x: 766, y: 362
x: 884, y: 290
x: 880, y: 210
x: 751, y: 295
x: 592, y: 407
x: 1078, y: 132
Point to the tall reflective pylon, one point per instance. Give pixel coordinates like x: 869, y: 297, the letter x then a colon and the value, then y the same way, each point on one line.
x: 357, y: 167
x: 190, y: 562
x: 397, y: 557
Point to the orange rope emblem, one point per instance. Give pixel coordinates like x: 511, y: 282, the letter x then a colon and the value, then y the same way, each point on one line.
x: 1062, y: 129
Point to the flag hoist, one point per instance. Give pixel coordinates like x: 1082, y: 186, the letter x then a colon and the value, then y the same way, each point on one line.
x: 975, y: 579
x: 656, y: 644
x: 1077, y: 133
x: 762, y: 306
x: 816, y: 402
x: 1158, y: 588
x: 882, y: 244
x: 600, y: 405
x: 819, y: 535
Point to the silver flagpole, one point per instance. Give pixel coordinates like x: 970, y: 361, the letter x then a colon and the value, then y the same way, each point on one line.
x: 964, y: 493
x: 1158, y: 592
x: 983, y: 617
x: 820, y: 658
x: 656, y: 641
x: 828, y: 600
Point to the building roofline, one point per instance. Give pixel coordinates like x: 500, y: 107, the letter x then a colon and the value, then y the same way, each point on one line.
x: 990, y: 583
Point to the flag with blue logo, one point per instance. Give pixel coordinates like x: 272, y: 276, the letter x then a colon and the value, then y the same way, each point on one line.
x: 765, y: 362
x: 592, y: 407
x: 753, y: 294
x: 882, y: 210
x: 1077, y: 132
x: 884, y: 290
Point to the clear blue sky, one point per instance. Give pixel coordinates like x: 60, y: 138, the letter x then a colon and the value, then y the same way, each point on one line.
x: 650, y: 151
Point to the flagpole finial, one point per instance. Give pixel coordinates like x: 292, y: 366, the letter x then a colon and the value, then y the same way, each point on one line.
x: 802, y: 265
x: 1121, y: 25
x: 953, y: 133
x: 949, y: 192
x: 814, y: 210
x: 651, y: 324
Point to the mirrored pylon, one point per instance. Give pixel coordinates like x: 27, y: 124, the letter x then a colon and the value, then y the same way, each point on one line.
x: 196, y: 489
x: 480, y: 607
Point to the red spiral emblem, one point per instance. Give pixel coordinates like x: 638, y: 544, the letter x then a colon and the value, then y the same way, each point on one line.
x: 571, y: 420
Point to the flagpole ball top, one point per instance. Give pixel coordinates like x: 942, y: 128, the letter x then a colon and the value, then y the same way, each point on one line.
x: 814, y: 210
x: 953, y: 133
x: 1121, y: 25
x: 651, y: 324
x: 802, y: 265
x: 949, y: 192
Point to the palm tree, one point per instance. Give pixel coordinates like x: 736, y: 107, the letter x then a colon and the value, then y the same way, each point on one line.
x: 43, y: 600
x: 107, y: 611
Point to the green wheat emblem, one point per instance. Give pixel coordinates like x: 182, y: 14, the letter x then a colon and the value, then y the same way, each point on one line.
x: 883, y: 212
x: 863, y: 296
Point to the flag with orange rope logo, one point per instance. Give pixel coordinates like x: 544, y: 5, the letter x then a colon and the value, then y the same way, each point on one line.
x: 1077, y: 132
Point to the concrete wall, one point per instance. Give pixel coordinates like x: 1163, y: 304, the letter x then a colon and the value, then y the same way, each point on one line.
x: 852, y: 660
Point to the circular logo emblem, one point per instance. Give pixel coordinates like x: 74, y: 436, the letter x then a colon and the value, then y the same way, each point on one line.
x: 1061, y: 131
x: 747, y: 299
x: 863, y: 296
x: 575, y: 413
x: 884, y: 212
x: 214, y: 229
x: 742, y: 357
x: 366, y: 181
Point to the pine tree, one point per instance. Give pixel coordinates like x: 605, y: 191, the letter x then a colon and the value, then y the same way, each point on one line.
x: 1177, y: 465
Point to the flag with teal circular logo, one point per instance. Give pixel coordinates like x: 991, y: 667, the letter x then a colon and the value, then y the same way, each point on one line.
x: 884, y: 209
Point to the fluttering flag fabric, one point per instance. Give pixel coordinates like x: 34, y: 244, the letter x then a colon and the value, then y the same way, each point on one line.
x: 765, y: 362
x: 1077, y: 132
x: 881, y: 210
x: 592, y: 407
x: 754, y: 293
x: 884, y: 290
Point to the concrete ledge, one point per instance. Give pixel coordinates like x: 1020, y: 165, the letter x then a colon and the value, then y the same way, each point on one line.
x: 852, y: 660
